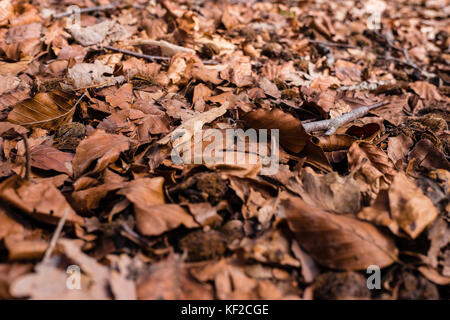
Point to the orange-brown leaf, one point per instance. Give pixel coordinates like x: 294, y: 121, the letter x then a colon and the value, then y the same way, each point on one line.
x: 338, y: 241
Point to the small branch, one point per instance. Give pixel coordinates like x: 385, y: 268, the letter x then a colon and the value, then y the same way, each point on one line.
x: 136, y: 54
x: 148, y: 57
x: 27, y: 156
x: 333, y: 44
x: 167, y: 48
x: 331, y: 125
x: 55, y: 236
x: 85, y: 10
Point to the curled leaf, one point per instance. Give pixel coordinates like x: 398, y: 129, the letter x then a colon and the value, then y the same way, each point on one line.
x: 337, y: 241
x: 292, y: 135
x: 99, y: 145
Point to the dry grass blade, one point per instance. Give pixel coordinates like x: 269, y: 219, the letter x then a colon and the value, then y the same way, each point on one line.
x: 46, y: 110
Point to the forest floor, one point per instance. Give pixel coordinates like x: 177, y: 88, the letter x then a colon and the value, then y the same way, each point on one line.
x: 107, y: 111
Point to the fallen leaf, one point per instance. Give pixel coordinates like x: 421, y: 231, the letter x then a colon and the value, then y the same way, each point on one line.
x: 292, y: 135
x: 8, y: 83
x: 49, y: 158
x: 429, y: 156
x: 42, y: 201
x: 337, y: 241
x: 102, y: 33
x: 46, y: 110
x: 331, y: 192
x: 403, y: 207
x: 100, y: 146
x: 153, y: 216
x: 426, y: 90
x: 170, y: 279
x: 86, y: 75
x: 6, y: 12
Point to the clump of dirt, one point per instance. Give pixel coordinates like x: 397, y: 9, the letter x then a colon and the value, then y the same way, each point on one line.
x: 233, y: 229
x: 212, y: 185
x: 341, y: 285
x: 412, y: 287
x: 69, y: 135
x: 201, y: 245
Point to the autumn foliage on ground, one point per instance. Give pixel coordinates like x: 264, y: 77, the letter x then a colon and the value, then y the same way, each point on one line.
x: 87, y: 112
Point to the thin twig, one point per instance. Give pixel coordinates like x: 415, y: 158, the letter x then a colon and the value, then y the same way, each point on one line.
x: 136, y: 54
x: 409, y: 62
x: 55, y: 236
x: 331, y: 125
x: 27, y: 156
x: 151, y: 58
x: 333, y: 44
x: 85, y: 10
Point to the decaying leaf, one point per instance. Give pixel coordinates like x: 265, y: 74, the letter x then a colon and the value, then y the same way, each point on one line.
x: 45, y: 110
x: 331, y: 192
x: 177, y: 282
x: 153, y: 216
x: 100, y: 146
x: 338, y: 242
x: 292, y: 135
x: 87, y: 75
x: 8, y: 83
x: 403, y: 207
x: 48, y: 158
x: 101, y: 33
x: 42, y: 201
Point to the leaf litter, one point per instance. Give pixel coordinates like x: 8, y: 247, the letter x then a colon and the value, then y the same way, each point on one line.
x: 91, y: 111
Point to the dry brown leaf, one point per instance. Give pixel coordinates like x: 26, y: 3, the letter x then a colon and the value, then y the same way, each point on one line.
x: 49, y: 158
x: 331, y: 192
x: 171, y: 279
x: 25, y: 249
x: 9, y: 272
x: 338, y: 241
x: 6, y: 12
x: 429, y: 156
x: 398, y: 147
x: 8, y: 83
x: 14, y: 68
x: 50, y: 282
x: 376, y: 157
x: 186, y: 130
x: 100, y: 146
x: 42, y: 201
x: 426, y: 90
x: 102, y: 33
x: 334, y: 142
x: 403, y: 207
x: 46, y: 110
x: 292, y: 135
x: 153, y: 216
x: 86, y: 75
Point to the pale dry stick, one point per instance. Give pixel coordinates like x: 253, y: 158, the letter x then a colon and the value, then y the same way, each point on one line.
x: 85, y: 10
x: 333, y: 44
x: 167, y: 48
x: 148, y: 57
x: 55, y: 236
x: 136, y: 54
x: 331, y: 125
